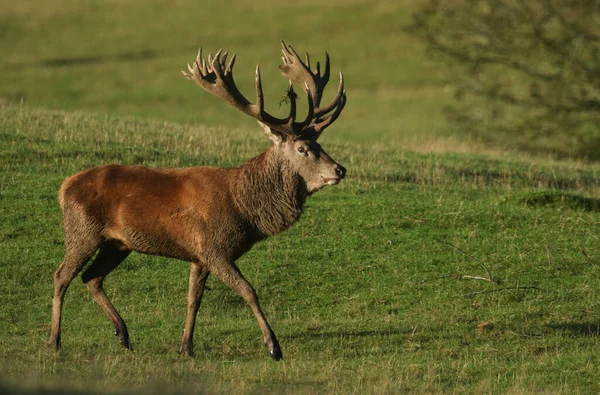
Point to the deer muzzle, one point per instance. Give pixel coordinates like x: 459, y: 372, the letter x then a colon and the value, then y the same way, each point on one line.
x: 340, y: 173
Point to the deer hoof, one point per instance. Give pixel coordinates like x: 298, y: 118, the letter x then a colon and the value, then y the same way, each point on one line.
x: 186, y: 352
x: 124, y: 340
x: 125, y: 344
x: 275, y: 352
x: 54, y: 343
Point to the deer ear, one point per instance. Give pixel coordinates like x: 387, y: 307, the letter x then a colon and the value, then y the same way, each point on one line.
x: 274, y: 135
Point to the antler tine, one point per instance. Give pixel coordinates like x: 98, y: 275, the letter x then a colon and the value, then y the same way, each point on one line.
x: 209, y: 63
x: 229, y: 69
x: 324, y: 110
x: 311, y: 106
x: 285, y: 58
x: 204, y: 67
x: 199, y: 61
x: 223, y: 61
x: 259, y: 92
x: 199, y: 64
x: 284, y: 48
x: 320, y: 126
x: 216, y: 64
x: 327, y: 67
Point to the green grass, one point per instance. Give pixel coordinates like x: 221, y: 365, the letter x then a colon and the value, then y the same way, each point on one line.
x: 368, y: 292
x: 377, y: 289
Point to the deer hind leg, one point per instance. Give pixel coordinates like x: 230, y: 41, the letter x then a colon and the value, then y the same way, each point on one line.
x: 198, y: 275
x: 77, y: 255
x: 109, y: 257
x: 233, y: 278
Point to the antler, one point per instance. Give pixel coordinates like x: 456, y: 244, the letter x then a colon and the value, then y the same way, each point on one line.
x: 215, y: 76
x: 313, y: 84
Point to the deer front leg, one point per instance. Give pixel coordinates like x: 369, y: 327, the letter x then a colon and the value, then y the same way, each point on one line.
x: 233, y: 278
x: 198, y: 275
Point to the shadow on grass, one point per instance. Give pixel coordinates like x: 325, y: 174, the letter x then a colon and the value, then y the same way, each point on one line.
x: 88, y: 60
x: 160, y: 389
x: 9, y: 390
x: 577, y: 328
x: 561, y: 199
x: 448, y: 174
x: 316, y: 334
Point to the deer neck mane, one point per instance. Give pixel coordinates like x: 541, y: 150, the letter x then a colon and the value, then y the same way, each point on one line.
x: 269, y: 195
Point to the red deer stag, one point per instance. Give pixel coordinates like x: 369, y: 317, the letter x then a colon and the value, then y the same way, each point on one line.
x: 204, y: 215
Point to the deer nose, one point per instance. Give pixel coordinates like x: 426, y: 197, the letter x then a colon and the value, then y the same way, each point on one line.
x: 340, y: 171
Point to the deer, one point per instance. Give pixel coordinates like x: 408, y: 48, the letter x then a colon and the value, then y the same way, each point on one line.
x: 207, y: 216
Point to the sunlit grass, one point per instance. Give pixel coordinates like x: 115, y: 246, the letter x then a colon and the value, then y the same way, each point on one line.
x: 381, y: 287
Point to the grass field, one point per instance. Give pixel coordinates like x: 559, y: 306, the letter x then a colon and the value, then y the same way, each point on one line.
x: 435, y: 266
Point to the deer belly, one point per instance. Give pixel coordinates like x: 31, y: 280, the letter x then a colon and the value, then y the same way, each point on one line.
x: 153, y: 243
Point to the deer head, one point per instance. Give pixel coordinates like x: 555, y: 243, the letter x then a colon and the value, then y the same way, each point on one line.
x: 295, y: 143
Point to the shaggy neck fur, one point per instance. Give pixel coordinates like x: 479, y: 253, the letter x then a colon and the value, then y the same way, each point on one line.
x: 269, y: 195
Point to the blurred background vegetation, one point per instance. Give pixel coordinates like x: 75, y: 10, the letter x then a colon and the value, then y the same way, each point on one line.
x: 526, y: 74
x: 123, y: 57
x: 509, y: 74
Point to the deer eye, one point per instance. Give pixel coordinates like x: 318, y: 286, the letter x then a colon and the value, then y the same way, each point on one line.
x: 301, y: 150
